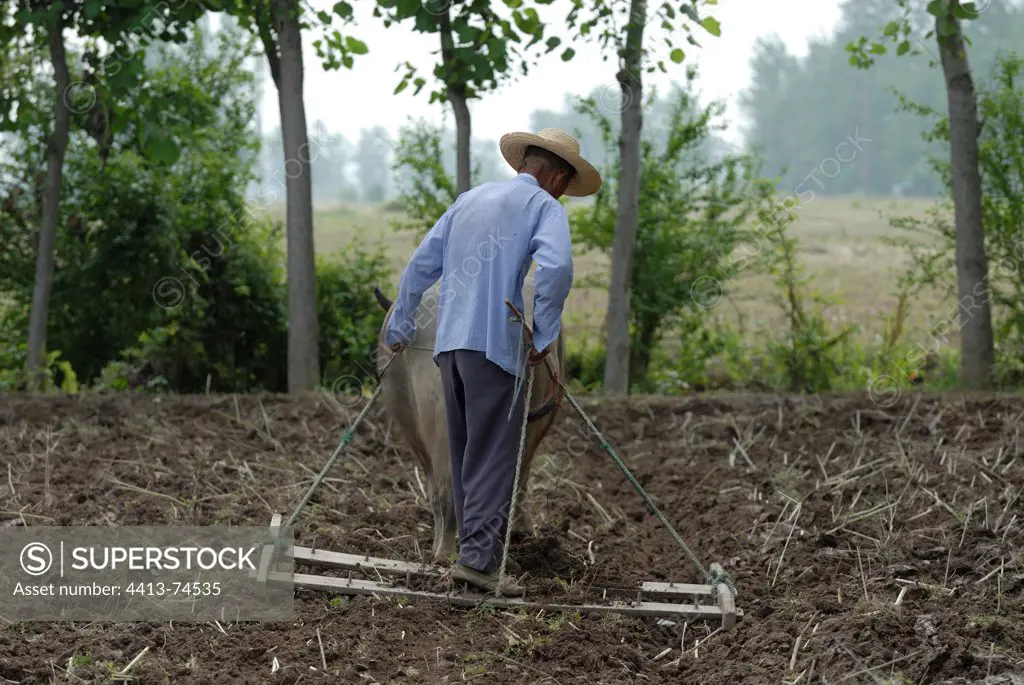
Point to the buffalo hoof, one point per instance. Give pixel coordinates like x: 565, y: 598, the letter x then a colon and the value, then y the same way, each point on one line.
x: 445, y: 560
x: 523, y: 528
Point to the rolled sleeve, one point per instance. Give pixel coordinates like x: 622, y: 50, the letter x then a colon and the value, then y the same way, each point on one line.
x: 551, y: 249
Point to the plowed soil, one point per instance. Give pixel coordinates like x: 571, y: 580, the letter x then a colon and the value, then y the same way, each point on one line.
x: 867, y: 544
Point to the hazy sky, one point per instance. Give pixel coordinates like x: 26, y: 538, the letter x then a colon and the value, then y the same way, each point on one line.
x: 349, y: 100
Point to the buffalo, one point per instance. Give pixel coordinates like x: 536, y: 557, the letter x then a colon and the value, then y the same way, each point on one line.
x: 412, y: 396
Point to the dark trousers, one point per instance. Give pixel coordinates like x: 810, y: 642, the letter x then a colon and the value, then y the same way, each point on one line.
x: 484, y: 445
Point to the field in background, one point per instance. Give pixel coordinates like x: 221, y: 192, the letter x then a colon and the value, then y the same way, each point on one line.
x: 840, y: 244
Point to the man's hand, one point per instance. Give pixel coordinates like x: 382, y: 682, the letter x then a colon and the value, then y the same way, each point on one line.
x: 536, y: 357
x: 400, y: 334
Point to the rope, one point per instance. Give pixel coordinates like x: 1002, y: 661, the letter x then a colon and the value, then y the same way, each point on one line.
x: 524, y: 359
x: 515, y: 482
x: 416, y: 347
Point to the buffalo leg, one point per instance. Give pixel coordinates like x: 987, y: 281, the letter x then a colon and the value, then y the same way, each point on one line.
x: 443, y: 508
x: 523, y: 525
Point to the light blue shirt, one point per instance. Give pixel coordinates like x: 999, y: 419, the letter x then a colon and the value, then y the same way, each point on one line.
x: 481, y: 249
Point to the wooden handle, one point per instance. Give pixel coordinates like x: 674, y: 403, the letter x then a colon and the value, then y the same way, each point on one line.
x: 518, y: 316
x: 515, y: 312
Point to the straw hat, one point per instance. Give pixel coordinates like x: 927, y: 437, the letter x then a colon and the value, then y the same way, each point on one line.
x: 586, y: 180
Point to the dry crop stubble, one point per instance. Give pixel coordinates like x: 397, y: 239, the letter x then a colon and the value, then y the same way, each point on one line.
x: 879, y: 541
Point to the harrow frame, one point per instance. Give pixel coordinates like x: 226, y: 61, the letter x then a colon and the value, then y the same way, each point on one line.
x: 683, y: 601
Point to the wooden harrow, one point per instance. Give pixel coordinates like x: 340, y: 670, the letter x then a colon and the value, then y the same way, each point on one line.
x: 366, y: 575
x: 714, y: 602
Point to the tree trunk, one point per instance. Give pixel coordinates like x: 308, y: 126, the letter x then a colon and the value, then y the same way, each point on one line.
x: 303, y: 328
x: 616, y: 368
x: 50, y: 213
x: 457, y: 96
x: 977, y: 356
x: 462, y: 138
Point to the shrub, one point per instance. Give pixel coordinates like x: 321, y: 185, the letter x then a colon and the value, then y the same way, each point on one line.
x: 57, y: 373
x: 166, y: 278
x: 350, y: 317
x: 584, y: 364
x: 683, y: 367
x: 692, y: 215
x: 807, y: 355
x: 128, y: 218
x: 228, y: 332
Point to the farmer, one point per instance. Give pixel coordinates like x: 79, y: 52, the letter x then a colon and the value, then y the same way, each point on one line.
x: 481, y: 248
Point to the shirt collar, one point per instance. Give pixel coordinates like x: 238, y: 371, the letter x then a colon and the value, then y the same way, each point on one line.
x: 529, y: 178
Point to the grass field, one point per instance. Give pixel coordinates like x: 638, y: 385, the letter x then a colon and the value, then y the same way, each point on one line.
x: 840, y: 244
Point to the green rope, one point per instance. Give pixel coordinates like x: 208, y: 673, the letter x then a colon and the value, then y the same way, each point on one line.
x: 713, y: 578
x: 346, y: 439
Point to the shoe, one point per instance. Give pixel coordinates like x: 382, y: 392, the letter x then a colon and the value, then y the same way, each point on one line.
x: 511, y: 565
x: 486, y: 581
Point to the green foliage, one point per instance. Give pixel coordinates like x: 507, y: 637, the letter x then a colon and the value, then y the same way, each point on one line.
x: 808, y: 355
x: 480, y: 48
x: 156, y: 112
x: 424, y: 174
x: 57, y: 373
x: 111, y: 96
x: 128, y: 220
x: 426, y: 190
x: 228, y: 332
x: 23, y: 96
x: 607, y: 23
x: 1001, y: 158
x: 426, y: 186
x: 349, y: 315
x: 903, y: 33
x: 336, y: 50
x: 692, y: 215
x: 682, y: 366
x: 165, y: 277
x: 584, y: 363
